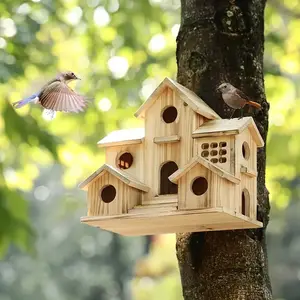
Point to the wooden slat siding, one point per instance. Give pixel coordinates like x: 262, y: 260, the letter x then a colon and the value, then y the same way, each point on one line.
x: 232, y: 155
x: 250, y: 184
x: 181, y: 152
x: 220, y: 193
x: 191, y: 201
x: 89, y: 201
x: 136, y: 170
x: 245, y: 136
x: 126, y: 197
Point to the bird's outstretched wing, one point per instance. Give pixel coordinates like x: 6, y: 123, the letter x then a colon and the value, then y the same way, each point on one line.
x: 58, y: 96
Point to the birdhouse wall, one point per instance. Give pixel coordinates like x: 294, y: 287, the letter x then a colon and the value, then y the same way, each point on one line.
x: 246, y: 151
x: 126, y: 197
x: 185, y: 122
x: 219, y: 150
x: 214, y: 191
x: 175, y: 138
x: 114, y: 158
x: 156, y: 157
x: 246, y: 200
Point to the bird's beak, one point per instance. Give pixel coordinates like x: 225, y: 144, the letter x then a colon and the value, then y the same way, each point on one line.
x: 218, y: 89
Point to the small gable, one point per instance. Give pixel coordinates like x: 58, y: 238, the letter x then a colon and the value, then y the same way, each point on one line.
x: 119, y: 174
x: 208, y: 165
x: 112, y: 192
x: 229, y: 127
x: 187, y: 96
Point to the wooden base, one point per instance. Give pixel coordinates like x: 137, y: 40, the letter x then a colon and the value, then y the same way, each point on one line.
x: 158, y: 222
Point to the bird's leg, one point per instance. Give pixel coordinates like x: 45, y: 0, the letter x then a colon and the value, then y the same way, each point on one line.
x: 242, y: 113
x: 232, y: 114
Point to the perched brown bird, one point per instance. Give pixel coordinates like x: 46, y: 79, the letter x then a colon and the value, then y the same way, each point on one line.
x: 56, y: 95
x: 235, y: 98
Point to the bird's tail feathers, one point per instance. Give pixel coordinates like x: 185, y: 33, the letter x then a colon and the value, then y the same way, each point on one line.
x: 25, y: 101
x: 255, y: 104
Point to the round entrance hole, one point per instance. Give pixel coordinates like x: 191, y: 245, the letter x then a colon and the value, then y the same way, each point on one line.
x: 169, y: 114
x: 246, y: 150
x: 125, y: 161
x: 108, y: 193
x: 199, y: 186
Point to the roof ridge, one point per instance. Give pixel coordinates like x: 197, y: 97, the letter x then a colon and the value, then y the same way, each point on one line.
x: 186, y: 95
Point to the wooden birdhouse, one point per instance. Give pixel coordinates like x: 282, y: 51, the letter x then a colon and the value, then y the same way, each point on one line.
x: 186, y: 170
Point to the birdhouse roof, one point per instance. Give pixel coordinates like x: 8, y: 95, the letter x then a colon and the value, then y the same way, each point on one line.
x: 123, y: 137
x: 229, y: 127
x: 205, y: 163
x: 121, y: 175
x: 189, y: 97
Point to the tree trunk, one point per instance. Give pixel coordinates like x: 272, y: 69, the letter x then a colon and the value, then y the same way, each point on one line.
x: 223, y: 41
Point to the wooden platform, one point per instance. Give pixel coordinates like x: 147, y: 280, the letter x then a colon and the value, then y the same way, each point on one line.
x: 158, y: 222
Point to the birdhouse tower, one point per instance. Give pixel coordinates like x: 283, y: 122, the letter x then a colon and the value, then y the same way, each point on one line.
x: 186, y: 170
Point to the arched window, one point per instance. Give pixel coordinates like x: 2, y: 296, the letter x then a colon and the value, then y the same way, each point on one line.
x: 166, y: 186
x: 245, y: 203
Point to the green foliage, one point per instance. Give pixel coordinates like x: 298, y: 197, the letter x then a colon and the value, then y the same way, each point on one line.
x: 98, y: 40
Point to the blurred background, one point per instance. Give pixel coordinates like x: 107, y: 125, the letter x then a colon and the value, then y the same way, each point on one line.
x: 121, y: 49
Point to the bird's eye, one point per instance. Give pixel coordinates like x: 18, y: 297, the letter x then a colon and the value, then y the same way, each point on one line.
x: 72, y: 74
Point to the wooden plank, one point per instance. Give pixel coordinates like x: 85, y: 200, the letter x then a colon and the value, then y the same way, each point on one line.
x: 166, y: 139
x: 156, y: 222
x: 120, y: 143
x: 248, y: 172
x: 162, y: 199
x: 150, y: 209
x: 122, y: 137
x: 196, y: 134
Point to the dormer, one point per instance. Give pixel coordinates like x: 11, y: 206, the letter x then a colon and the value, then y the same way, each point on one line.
x: 230, y: 144
x: 124, y: 150
x: 168, y: 109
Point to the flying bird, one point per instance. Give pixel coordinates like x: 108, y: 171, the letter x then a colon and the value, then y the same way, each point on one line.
x: 56, y: 95
x: 235, y: 98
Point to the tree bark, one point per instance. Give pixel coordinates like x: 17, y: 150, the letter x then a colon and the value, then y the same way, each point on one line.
x: 223, y: 41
